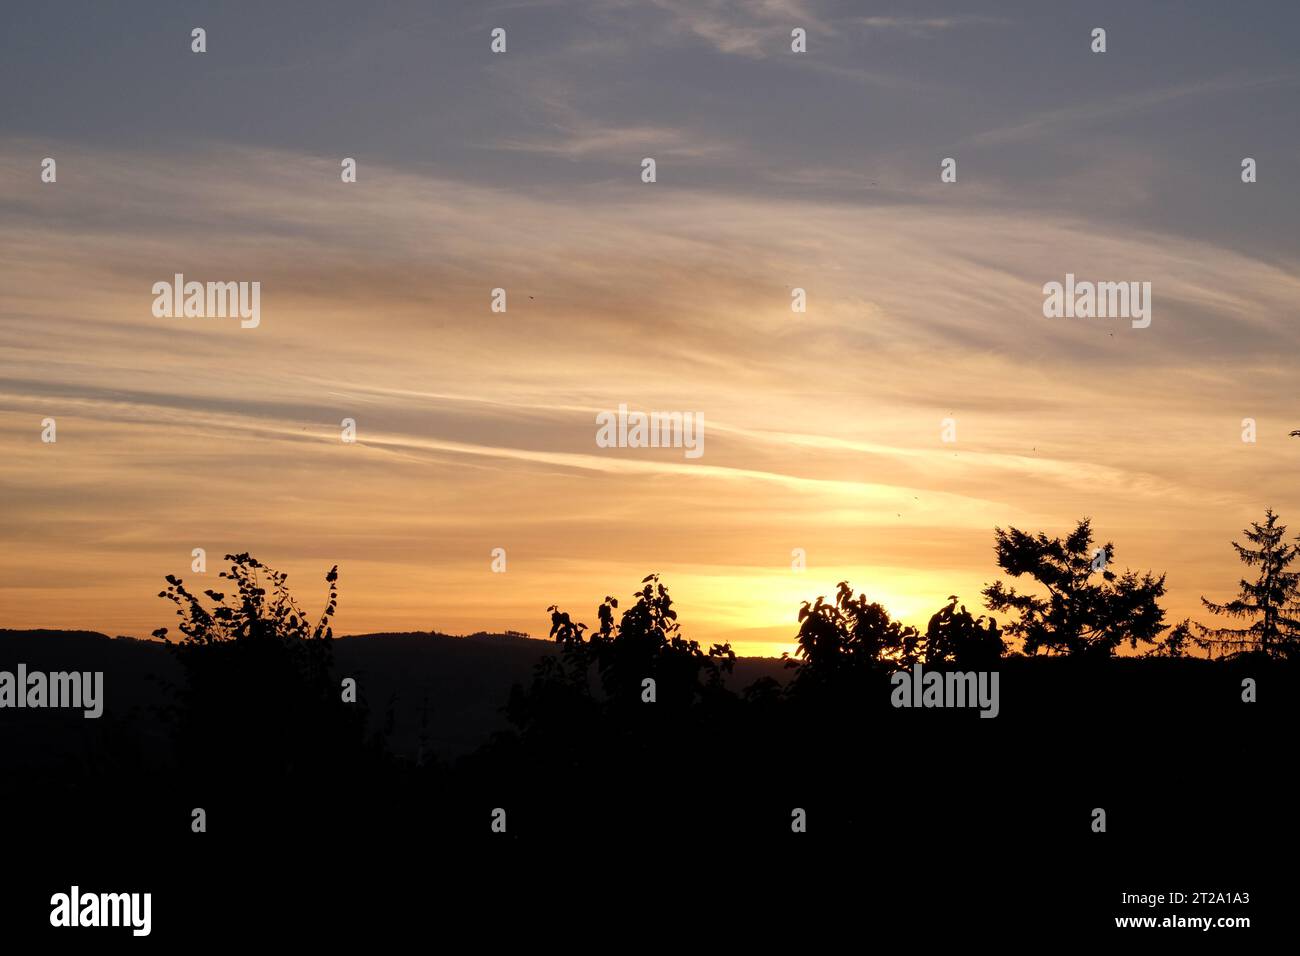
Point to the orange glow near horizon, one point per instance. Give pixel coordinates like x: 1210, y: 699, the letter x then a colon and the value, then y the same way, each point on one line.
x: 824, y: 430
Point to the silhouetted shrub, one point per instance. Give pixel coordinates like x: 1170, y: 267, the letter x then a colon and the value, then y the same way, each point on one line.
x: 955, y: 637
x: 259, y: 702
x: 848, y: 637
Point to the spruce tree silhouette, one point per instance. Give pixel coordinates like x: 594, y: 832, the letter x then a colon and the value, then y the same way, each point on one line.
x: 1270, y: 600
x: 1088, y: 609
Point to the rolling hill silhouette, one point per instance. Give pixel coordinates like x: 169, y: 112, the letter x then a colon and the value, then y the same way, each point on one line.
x: 446, y: 689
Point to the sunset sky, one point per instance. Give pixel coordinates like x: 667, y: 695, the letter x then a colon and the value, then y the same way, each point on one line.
x: 776, y: 170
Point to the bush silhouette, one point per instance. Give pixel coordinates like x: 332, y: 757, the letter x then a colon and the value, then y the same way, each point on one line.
x: 842, y: 644
x: 586, y: 714
x: 645, y: 643
x: 955, y: 637
x: 258, y: 700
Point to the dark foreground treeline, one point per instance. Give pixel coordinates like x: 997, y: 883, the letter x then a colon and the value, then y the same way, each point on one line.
x: 628, y: 741
x: 313, y: 817
x: 628, y: 726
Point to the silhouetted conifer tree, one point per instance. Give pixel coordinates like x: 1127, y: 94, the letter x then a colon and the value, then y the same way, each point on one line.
x: 1268, y: 602
x: 1088, y: 609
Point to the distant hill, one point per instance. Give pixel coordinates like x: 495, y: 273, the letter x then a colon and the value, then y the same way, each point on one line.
x: 449, y: 689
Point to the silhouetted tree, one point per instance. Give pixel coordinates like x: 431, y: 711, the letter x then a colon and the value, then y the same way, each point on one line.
x: 847, y: 639
x: 1088, y: 609
x: 955, y: 637
x: 1176, y: 642
x: 1269, y: 601
x: 646, y: 643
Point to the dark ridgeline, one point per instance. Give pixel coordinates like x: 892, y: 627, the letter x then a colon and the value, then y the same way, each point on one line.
x: 245, y: 717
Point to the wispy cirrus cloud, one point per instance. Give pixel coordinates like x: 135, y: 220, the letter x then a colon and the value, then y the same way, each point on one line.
x: 620, y: 143
x: 754, y: 28
x: 1129, y: 104
x: 924, y: 26
x: 822, y: 426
